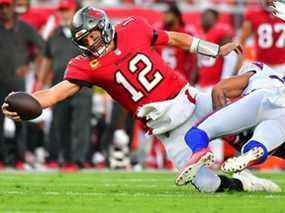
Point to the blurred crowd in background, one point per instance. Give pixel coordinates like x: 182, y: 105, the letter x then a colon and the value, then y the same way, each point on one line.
x: 89, y: 130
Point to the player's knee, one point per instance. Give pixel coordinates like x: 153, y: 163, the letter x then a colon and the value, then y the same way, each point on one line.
x: 196, y: 139
x: 252, y: 144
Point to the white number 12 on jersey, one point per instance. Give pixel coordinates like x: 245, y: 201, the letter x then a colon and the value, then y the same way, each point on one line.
x: 147, y: 84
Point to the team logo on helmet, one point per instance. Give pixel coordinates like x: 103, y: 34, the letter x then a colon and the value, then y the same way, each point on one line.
x: 95, y: 13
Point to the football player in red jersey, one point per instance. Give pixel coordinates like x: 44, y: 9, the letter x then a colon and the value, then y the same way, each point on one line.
x: 122, y: 60
x: 269, y: 35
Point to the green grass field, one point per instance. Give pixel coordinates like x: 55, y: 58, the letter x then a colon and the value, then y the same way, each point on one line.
x: 125, y: 192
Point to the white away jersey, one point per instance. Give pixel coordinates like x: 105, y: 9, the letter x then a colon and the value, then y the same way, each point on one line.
x: 264, y: 77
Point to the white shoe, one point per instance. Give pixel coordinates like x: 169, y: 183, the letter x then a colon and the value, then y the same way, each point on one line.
x: 251, y: 183
x: 237, y: 164
x: 202, y: 158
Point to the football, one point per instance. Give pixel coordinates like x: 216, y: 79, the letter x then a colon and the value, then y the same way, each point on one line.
x: 24, y: 104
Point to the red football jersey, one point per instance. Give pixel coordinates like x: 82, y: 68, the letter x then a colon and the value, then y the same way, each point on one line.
x: 179, y: 59
x: 269, y: 35
x: 210, y: 69
x: 134, y: 73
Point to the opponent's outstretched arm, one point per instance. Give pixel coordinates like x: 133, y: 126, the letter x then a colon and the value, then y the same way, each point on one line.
x: 47, y: 97
x: 196, y: 45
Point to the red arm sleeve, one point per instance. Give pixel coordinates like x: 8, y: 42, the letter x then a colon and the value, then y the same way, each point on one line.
x: 160, y: 37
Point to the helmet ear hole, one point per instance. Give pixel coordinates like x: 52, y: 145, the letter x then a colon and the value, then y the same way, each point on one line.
x: 91, y: 23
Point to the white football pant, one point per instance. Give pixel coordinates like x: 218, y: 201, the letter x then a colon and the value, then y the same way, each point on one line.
x: 259, y: 110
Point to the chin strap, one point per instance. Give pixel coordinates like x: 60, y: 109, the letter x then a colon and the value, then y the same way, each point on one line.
x: 204, y: 47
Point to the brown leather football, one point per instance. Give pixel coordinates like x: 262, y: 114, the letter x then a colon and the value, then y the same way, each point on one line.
x: 24, y: 104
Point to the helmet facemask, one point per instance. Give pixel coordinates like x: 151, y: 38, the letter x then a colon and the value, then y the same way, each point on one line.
x: 98, y: 47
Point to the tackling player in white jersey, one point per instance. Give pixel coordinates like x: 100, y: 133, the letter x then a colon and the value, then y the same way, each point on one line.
x: 266, y: 92
x: 262, y: 107
x: 269, y: 134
